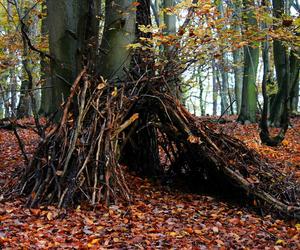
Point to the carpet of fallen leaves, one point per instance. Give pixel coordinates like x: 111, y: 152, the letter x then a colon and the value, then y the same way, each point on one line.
x: 157, y: 218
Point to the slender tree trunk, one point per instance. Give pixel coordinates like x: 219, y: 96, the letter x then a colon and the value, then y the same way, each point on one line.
x: 238, y: 78
x: 13, y: 91
x: 251, y: 58
x: 23, y: 109
x: 169, y: 20
x: 224, y: 72
x: 29, y: 99
x: 215, y: 88
x: 170, y: 29
x: 12, y: 73
x: 224, y: 87
x: 265, y: 136
x: 295, y: 69
x: 237, y: 57
x: 287, y: 68
x: 45, y: 79
x: 201, y: 91
x: 155, y: 10
x: 1, y: 108
x: 295, y: 97
x: 4, y: 88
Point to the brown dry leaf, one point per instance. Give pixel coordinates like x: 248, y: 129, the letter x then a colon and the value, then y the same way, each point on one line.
x: 194, y: 139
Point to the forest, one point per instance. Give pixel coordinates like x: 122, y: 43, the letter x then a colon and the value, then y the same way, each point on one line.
x: 149, y: 124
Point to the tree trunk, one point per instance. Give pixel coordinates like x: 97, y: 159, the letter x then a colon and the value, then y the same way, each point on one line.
x: 295, y: 70
x: 169, y: 19
x: 224, y: 88
x: 67, y: 22
x: 155, y: 10
x: 287, y: 70
x: 170, y: 29
x: 23, y: 109
x: 215, y: 88
x: 224, y: 72
x: 119, y: 31
x: 13, y: 92
x: 295, y: 97
x: 45, y: 77
x: 238, y: 78
x: 12, y: 73
x: 265, y: 136
x: 251, y: 58
x: 237, y: 57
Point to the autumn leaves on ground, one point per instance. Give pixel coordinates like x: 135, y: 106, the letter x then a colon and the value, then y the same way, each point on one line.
x: 157, y: 218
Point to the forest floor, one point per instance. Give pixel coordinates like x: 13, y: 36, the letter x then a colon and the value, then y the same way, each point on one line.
x: 158, y: 217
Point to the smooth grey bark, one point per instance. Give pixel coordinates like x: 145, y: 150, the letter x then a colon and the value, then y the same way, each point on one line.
x: 3, y: 96
x: 295, y: 71
x: 28, y: 98
x: 4, y: 90
x: 224, y: 86
x: 13, y: 92
x: 170, y: 29
x: 169, y: 20
x: 251, y: 58
x: 45, y: 78
x: 1, y: 108
x: 201, y: 98
x: 249, y: 95
x: 154, y: 8
x: 119, y: 31
x: 238, y: 77
x: 224, y: 72
x: 23, y: 109
x: 237, y: 56
x: 215, y: 88
x: 265, y: 136
x: 295, y: 97
x: 287, y: 70
x: 12, y: 73
x: 71, y: 23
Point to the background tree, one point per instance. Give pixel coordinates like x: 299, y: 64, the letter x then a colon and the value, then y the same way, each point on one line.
x: 237, y: 55
x: 251, y: 57
x: 287, y: 70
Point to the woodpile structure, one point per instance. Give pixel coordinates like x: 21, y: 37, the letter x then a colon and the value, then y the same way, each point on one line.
x: 104, y: 124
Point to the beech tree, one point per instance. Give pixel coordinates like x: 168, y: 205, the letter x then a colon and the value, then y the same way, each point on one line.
x: 119, y: 31
x: 251, y: 57
x: 71, y: 26
x: 287, y: 71
x: 237, y: 56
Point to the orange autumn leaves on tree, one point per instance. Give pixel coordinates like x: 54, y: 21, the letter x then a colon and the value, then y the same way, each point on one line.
x: 11, y: 43
x: 208, y: 34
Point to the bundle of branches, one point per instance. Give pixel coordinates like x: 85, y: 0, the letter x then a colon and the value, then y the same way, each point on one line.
x: 79, y: 156
x: 103, y: 124
x: 194, y: 149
